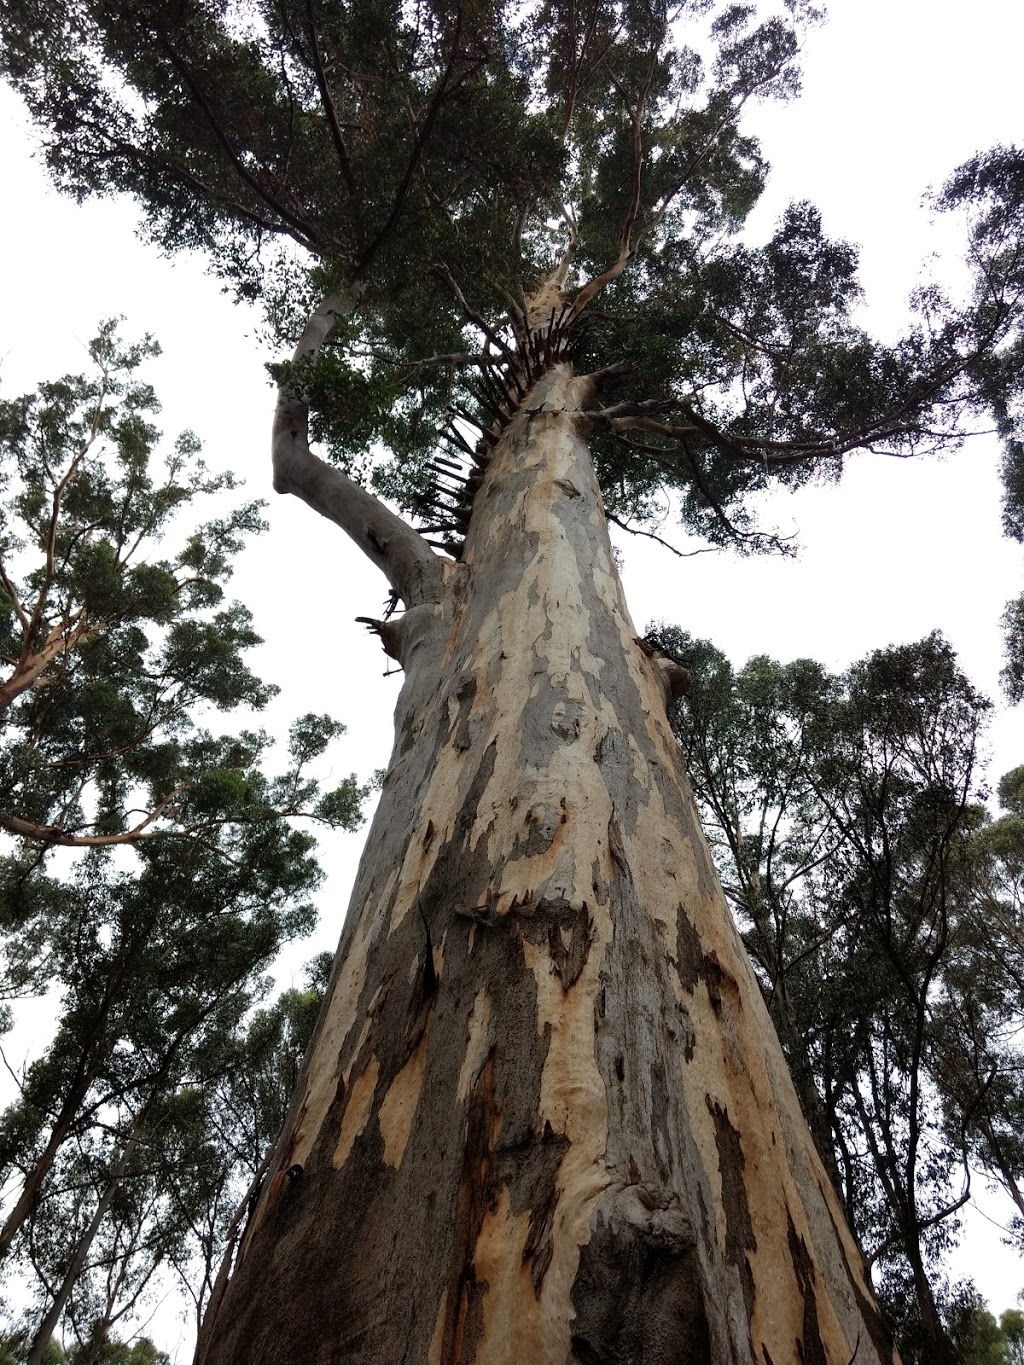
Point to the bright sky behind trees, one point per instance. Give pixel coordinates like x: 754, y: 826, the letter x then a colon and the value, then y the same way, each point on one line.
x: 895, y: 95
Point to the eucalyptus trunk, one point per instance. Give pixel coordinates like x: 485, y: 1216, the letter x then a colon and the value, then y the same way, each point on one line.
x: 545, y: 1117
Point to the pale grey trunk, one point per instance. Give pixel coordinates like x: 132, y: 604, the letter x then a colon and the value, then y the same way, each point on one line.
x: 545, y: 1118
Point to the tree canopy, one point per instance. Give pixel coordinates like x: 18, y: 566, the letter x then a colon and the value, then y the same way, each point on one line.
x: 472, y: 150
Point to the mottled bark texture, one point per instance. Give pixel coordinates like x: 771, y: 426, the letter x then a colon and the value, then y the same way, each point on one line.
x: 545, y: 1119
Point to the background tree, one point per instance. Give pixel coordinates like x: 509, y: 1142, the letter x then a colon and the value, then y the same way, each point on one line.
x: 842, y: 812
x: 188, y: 876
x: 747, y: 364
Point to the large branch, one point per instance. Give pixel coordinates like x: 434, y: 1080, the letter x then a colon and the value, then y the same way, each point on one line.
x: 626, y: 238
x: 55, y: 834
x: 412, y: 568
x: 33, y: 663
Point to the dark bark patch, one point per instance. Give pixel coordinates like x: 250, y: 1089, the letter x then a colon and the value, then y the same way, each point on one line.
x: 713, y: 977
x: 477, y: 1196
x: 542, y: 824
x: 553, y: 718
x: 422, y: 1002
x: 867, y: 1308
x: 461, y: 734
x: 529, y: 1169
x: 569, y: 959
x: 689, y: 954
x: 617, y: 848
x: 739, y: 1231
x: 661, y: 1119
x: 637, y: 1295
x: 693, y: 965
x: 810, y: 1349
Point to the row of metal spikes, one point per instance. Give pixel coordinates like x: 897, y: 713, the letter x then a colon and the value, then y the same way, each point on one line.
x: 447, y: 505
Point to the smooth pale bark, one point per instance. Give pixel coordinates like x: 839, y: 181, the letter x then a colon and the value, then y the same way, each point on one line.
x: 385, y: 539
x: 545, y: 1118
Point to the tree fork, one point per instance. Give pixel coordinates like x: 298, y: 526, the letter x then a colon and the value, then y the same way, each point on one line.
x: 545, y: 1116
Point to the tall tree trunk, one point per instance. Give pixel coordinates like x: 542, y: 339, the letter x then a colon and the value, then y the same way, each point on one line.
x: 545, y: 1117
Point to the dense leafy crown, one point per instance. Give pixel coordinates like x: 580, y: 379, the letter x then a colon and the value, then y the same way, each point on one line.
x: 442, y: 159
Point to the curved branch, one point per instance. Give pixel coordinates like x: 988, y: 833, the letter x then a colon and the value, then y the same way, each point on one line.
x: 411, y: 567
x: 651, y: 535
x: 54, y: 834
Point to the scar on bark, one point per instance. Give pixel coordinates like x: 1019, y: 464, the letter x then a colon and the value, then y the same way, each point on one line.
x: 387, y: 631
x: 672, y: 675
x: 422, y: 1002
x: 638, y: 1294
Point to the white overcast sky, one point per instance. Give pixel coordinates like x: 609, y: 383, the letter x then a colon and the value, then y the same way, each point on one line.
x: 896, y: 94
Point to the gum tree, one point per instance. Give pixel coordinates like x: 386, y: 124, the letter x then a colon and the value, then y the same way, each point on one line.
x: 544, y: 1114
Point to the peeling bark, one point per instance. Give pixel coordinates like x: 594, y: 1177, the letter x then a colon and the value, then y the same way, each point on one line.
x: 545, y: 1119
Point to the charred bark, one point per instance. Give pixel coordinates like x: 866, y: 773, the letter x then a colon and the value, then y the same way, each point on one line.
x: 545, y: 1117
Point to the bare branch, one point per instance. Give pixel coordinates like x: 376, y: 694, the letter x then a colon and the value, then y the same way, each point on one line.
x: 639, y: 531
x: 626, y: 243
x: 412, y: 568
x: 55, y: 834
x: 472, y: 315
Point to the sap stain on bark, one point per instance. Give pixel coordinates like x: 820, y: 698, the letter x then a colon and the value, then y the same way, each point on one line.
x: 637, y: 1293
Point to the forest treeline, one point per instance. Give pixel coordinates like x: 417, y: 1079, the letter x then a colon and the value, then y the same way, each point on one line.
x: 883, y: 910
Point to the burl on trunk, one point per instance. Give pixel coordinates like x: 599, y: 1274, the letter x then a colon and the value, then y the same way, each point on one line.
x: 545, y: 1118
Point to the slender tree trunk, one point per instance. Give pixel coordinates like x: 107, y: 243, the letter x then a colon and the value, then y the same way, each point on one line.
x: 30, y: 1190
x: 49, y: 1323
x: 545, y: 1118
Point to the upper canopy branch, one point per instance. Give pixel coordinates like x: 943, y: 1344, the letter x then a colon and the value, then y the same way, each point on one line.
x: 626, y: 242
x: 412, y: 568
x: 297, y: 225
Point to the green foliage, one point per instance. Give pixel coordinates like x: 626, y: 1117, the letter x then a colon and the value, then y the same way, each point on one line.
x: 989, y: 191
x: 180, y: 871
x: 1011, y: 1324
x: 139, y: 1352
x: 978, y: 1338
x: 414, y: 153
